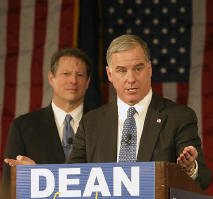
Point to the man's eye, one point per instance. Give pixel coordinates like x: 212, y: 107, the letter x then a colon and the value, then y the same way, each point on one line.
x: 120, y: 70
x: 65, y: 73
x: 80, y: 74
x: 138, y: 69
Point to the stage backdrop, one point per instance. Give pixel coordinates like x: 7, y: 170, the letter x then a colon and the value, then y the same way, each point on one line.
x: 179, y: 34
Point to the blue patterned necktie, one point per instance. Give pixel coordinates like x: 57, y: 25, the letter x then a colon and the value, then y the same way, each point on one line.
x: 129, y: 138
x: 68, y: 136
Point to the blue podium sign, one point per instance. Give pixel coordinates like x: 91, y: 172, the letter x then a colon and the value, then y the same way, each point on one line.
x: 101, y: 180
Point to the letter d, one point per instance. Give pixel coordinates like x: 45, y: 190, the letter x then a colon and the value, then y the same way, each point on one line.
x: 35, y: 183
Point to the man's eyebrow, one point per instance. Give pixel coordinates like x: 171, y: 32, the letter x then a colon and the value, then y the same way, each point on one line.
x: 118, y: 66
x: 136, y: 65
x: 139, y: 64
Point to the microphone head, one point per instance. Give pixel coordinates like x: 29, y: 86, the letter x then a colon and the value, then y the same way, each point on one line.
x: 70, y: 141
x: 128, y: 138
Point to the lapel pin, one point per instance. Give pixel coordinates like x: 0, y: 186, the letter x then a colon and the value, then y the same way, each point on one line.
x: 158, y: 120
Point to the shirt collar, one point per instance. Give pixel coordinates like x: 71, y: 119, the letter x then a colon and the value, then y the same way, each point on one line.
x: 61, y: 114
x: 140, y: 107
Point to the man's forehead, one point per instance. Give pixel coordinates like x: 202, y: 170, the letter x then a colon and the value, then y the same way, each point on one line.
x: 71, y: 64
x: 128, y: 60
x: 131, y: 65
x: 132, y: 52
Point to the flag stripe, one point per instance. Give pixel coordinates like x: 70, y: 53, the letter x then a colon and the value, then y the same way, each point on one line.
x: 24, y: 57
x: 182, y: 90
x: 12, y: 45
x: 197, y: 49
x: 170, y: 90
x: 157, y: 87
x: 38, y: 54
x: 176, y: 92
x: 67, y: 21
x: 207, y: 91
x: 3, y: 20
x: 51, y: 45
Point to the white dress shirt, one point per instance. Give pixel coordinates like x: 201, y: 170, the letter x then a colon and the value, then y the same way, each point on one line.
x: 141, y: 109
x: 60, y: 115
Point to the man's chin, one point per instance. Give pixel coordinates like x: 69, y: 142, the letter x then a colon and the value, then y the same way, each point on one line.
x: 131, y: 101
x: 74, y: 99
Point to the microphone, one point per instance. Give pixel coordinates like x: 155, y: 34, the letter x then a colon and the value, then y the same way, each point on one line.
x: 129, y: 138
x: 70, y: 141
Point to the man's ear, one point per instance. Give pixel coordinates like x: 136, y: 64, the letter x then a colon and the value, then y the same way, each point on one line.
x: 50, y: 77
x: 88, y: 82
x: 150, y: 68
x: 109, y: 73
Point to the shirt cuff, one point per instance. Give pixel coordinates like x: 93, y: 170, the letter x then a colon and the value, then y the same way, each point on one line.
x: 195, y: 173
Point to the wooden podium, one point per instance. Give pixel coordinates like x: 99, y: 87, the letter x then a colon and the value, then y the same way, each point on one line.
x: 170, y: 175
x: 166, y: 175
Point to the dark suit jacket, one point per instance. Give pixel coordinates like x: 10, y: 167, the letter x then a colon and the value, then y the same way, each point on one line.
x: 34, y: 135
x: 168, y: 128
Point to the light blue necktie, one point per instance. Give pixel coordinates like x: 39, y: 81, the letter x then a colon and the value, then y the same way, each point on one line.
x: 68, y: 136
x: 129, y: 138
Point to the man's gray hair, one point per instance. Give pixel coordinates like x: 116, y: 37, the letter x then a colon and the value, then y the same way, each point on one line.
x: 126, y: 42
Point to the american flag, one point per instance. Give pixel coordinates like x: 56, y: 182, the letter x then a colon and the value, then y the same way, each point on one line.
x: 165, y: 26
x: 180, y: 37
x: 31, y: 31
x: 178, y: 32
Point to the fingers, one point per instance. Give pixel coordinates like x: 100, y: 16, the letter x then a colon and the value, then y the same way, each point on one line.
x: 25, y: 160
x: 20, y: 160
x: 183, y: 161
x: 188, y: 155
x: 11, y: 162
x: 191, y: 151
x: 187, y: 158
x: 20, y: 157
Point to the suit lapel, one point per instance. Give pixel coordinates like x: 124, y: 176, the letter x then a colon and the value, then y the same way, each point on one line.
x: 108, y: 137
x: 51, y: 132
x: 152, y: 126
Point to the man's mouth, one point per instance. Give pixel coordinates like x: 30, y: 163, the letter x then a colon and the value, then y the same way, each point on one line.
x: 132, y: 90
x: 72, y: 89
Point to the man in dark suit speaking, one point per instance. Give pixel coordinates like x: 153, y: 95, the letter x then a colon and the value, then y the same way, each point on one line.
x: 139, y: 125
x: 39, y: 137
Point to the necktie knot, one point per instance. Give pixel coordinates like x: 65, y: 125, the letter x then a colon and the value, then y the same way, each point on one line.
x: 131, y: 112
x: 68, y: 118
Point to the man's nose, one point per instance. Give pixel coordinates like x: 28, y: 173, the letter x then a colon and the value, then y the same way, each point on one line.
x: 130, y: 76
x: 73, y: 78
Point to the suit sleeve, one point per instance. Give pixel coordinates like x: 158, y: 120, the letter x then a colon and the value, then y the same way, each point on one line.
x: 187, y: 135
x: 14, y: 147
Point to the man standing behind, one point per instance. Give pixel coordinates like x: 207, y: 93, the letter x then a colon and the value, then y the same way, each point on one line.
x: 139, y: 125
x: 39, y: 137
